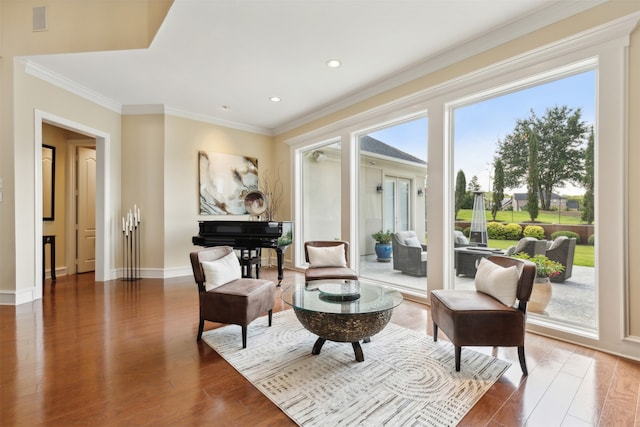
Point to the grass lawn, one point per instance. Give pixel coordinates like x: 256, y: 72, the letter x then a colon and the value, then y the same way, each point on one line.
x: 548, y: 217
x: 583, y: 255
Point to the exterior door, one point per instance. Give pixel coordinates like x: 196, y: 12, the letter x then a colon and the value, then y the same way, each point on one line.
x: 396, y: 206
x: 86, y: 205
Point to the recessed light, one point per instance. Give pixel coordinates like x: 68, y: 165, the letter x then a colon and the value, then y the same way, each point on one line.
x: 333, y: 63
x: 275, y: 99
x: 225, y: 107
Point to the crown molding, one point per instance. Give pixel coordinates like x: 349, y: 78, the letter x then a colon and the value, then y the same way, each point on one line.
x: 219, y: 122
x: 615, y: 33
x: 69, y: 85
x: 141, y: 109
x: 508, y: 32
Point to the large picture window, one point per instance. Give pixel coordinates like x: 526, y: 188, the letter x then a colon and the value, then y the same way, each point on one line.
x: 530, y: 153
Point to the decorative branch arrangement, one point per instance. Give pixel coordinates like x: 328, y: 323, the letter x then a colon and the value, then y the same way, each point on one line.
x: 131, y: 244
x: 273, y: 189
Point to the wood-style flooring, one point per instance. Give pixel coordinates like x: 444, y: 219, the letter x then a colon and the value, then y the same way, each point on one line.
x: 125, y: 354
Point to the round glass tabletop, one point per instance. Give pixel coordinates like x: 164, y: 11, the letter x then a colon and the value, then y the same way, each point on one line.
x: 340, y: 297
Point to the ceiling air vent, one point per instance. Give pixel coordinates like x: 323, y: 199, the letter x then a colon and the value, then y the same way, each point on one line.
x: 40, y: 18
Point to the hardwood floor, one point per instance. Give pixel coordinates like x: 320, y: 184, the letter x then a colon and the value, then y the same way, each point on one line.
x: 124, y: 353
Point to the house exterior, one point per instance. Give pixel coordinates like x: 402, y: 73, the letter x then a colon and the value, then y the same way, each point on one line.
x: 519, y: 201
x: 147, y: 158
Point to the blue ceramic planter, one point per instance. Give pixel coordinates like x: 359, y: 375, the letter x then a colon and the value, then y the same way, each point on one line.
x: 383, y: 251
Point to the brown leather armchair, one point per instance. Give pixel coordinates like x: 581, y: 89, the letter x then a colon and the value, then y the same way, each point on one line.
x: 332, y: 271
x: 237, y: 302
x: 473, y: 318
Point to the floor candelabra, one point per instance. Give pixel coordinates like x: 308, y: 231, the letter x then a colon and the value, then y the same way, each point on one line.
x: 131, y: 244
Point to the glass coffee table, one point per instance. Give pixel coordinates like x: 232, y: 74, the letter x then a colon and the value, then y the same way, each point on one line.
x: 342, y: 310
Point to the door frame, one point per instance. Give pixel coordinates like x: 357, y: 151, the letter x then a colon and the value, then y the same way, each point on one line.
x: 103, y: 189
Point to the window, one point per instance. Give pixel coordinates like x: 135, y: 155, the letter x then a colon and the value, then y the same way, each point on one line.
x: 321, y: 188
x: 392, y: 178
x: 542, y: 131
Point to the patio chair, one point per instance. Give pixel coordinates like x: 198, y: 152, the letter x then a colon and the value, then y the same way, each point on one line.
x: 487, y: 315
x: 409, y: 254
x: 562, y: 250
x: 460, y: 240
x: 529, y: 245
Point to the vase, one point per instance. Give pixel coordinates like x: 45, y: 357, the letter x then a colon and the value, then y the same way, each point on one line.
x: 383, y: 252
x: 540, y: 295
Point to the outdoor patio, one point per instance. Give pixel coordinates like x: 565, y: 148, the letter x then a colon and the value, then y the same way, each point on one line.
x: 572, y: 301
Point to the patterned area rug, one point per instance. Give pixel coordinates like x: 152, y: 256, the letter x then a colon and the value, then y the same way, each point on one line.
x: 405, y: 379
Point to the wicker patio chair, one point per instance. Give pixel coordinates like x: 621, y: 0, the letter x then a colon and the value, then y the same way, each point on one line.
x: 562, y: 250
x: 409, y: 254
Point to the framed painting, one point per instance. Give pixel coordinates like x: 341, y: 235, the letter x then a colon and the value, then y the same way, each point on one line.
x: 225, y: 180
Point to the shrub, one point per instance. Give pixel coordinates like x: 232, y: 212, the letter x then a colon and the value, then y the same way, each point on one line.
x: 568, y: 234
x: 457, y: 228
x: 495, y: 230
x: 534, y: 231
x: 382, y: 236
x: 592, y: 239
x: 512, y: 231
x: 467, y: 232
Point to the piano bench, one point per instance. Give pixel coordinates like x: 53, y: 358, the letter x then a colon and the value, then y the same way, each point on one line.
x: 248, y: 258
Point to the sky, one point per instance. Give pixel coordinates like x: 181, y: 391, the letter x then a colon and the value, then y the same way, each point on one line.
x: 479, y: 126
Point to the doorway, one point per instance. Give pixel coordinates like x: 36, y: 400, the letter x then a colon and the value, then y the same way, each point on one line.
x: 103, y: 239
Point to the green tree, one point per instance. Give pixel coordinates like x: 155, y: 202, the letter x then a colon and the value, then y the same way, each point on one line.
x: 461, y: 191
x: 532, y: 185
x: 498, y: 188
x: 474, y: 185
x: 587, y: 201
x: 561, y: 136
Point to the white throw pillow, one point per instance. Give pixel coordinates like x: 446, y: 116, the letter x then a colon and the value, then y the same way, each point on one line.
x: 326, y: 256
x: 499, y: 282
x: 221, y: 271
x: 412, y: 241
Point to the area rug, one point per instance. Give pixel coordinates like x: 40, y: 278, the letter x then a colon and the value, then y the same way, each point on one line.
x: 405, y: 379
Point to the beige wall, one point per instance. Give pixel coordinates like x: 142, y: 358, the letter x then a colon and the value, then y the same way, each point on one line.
x: 183, y: 139
x: 73, y: 25
x: 143, y: 167
x: 36, y: 95
x: 160, y: 176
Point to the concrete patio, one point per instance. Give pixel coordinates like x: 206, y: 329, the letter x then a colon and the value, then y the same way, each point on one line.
x: 573, y: 301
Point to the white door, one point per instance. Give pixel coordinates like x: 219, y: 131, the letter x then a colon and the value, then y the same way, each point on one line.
x: 86, y: 204
x: 396, y: 205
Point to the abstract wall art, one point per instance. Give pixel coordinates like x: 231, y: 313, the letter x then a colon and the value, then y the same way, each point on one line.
x: 225, y: 180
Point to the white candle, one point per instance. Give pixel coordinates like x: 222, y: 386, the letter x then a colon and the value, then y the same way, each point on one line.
x: 122, y: 223
x: 126, y: 228
x: 138, y: 215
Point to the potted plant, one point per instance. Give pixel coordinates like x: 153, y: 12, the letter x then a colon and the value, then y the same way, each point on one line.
x: 383, y: 245
x: 545, y: 269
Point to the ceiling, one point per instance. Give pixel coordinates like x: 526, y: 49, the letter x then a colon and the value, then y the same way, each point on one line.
x: 221, y: 61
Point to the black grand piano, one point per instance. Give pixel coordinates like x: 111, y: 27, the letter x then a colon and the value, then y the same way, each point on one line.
x: 249, y: 237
